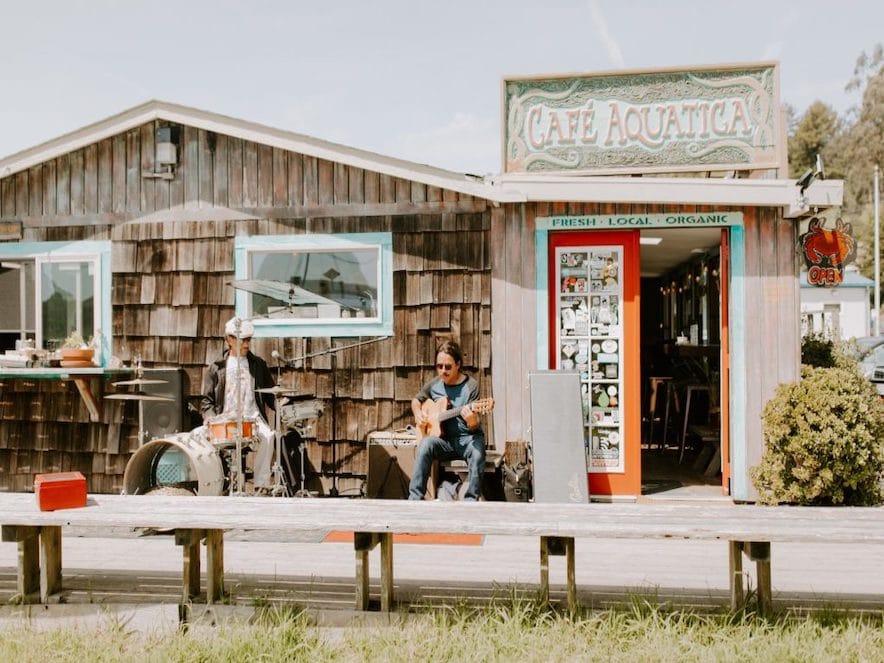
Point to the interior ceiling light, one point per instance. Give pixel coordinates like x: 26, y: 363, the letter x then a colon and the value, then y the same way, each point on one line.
x: 653, y: 241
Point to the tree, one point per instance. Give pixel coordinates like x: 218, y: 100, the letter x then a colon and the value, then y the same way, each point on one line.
x: 861, y: 147
x: 817, y: 129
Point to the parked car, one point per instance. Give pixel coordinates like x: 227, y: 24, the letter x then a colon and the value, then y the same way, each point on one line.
x: 877, y: 379
x: 870, y: 354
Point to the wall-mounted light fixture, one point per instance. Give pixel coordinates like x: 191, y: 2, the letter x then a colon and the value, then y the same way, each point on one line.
x: 165, y: 153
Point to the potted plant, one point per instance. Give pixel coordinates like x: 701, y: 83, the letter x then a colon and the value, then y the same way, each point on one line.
x: 76, y: 352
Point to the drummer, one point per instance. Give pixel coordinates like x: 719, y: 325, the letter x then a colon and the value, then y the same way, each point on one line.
x: 220, y: 397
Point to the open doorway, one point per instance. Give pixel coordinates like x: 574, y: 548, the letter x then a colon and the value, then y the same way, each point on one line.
x: 683, y: 330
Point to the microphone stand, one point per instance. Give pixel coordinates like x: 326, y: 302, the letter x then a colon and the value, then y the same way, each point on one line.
x: 334, y: 405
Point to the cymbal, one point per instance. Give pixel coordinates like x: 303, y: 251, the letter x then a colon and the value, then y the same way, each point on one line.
x: 294, y: 295
x: 137, y: 396
x: 278, y: 391
x: 138, y: 381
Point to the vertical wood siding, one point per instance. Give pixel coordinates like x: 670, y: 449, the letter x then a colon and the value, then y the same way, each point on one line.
x: 771, y: 312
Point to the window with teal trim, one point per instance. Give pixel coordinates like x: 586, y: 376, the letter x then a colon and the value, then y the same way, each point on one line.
x: 316, y: 285
x: 48, y: 290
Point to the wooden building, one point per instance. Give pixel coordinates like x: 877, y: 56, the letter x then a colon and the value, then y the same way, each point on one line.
x: 159, y: 209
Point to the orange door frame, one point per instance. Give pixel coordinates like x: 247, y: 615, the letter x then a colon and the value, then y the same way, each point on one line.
x: 628, y: 482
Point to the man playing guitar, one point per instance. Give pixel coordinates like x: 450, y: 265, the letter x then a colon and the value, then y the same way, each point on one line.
x: 445, y: 410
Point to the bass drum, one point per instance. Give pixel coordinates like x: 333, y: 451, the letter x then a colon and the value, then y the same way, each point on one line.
x: 183, y: 461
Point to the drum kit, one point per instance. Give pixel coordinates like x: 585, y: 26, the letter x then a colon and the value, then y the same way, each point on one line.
x: 209, y: 459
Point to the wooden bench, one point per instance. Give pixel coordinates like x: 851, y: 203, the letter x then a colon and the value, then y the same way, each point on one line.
x: 750, y: 530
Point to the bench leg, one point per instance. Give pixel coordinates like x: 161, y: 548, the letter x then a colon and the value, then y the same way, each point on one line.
x: 570, y: 574
x: 735, y: 563
x: 189, y: 540
x: 27, y: 540
x: 50, y: 558
x: 386, y: 572
x: 363, y: 542
x: 759, y: 552
x: 214, y: 565
x: 558, y: 545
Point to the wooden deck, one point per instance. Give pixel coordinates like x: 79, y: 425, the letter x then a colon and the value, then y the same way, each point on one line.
x: 749, y: 529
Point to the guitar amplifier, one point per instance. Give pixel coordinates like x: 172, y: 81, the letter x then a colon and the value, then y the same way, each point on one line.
x: 390, y: 465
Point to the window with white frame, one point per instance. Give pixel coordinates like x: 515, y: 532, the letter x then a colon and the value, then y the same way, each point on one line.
x: 50, y: 289
x: 316, y: 285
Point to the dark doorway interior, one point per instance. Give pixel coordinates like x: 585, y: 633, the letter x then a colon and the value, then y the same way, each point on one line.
x: 680, y: 356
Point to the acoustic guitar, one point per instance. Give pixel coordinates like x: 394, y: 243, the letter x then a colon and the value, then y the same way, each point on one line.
x: 437, y: 411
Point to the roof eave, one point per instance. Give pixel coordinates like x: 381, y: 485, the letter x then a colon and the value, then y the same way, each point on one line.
x: 675, y: 191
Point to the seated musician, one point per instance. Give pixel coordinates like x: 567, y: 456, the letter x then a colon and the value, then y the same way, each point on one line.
x: 458, y: 437
x: 221, y: 397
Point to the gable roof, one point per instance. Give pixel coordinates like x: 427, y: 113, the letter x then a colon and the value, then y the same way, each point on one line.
x: 251, y: 131
x: 506, y: 188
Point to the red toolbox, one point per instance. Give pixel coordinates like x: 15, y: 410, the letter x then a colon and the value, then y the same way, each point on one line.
x: 60, y: 490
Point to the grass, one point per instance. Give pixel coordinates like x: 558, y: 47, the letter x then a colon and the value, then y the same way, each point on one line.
x: 508, y: 631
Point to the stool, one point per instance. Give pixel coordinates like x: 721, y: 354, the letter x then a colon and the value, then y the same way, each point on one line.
x: 709, y: 459
x: 493, y: 460
x: 656, y: 385
x: 690, y: 390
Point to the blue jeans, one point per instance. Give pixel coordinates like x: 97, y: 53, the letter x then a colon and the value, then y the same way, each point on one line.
x: 469, y: 448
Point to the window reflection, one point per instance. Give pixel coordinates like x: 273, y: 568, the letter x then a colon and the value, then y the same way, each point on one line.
x: 330, y: 284
x: 68, y: 299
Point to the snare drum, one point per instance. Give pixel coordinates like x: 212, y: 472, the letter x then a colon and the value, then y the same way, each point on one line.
x: 227, y: 429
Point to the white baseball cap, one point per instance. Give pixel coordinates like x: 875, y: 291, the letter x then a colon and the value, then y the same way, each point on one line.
x: 246, y: 328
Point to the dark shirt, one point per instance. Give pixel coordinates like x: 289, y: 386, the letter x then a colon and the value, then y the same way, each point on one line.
x: 215, y: 386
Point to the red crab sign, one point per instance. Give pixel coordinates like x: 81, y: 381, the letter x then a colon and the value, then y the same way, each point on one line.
x: 826, y: 252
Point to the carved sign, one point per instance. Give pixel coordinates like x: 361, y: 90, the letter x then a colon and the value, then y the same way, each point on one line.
x: 723, y: 118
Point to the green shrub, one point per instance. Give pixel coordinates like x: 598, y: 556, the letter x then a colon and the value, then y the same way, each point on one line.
x: 817, y: 350
x: 823, y: 441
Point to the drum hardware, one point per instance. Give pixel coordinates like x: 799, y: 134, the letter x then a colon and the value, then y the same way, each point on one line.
x: 140, y: 396
x: 238, y: 486
x: 137, y: 396
x: 138, y: 382
x: 334, y: 400
x: 278, y: 391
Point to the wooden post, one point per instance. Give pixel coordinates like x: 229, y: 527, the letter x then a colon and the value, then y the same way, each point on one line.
x: 50, y: 556
x: 189, y: 540
x: 558, y: 545
x: 362, y: 543
x: 28, y: 576
x: 570, y: 574
x: 88, y: 398
x: 214, y: 565
x: 735, y: 564
x: 759, y: 552
x: 386, y: 572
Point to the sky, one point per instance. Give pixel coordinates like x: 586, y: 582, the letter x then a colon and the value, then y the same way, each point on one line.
x: 405, y: 78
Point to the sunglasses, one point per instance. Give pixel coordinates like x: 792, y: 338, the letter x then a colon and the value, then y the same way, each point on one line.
x: 444, y: 367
